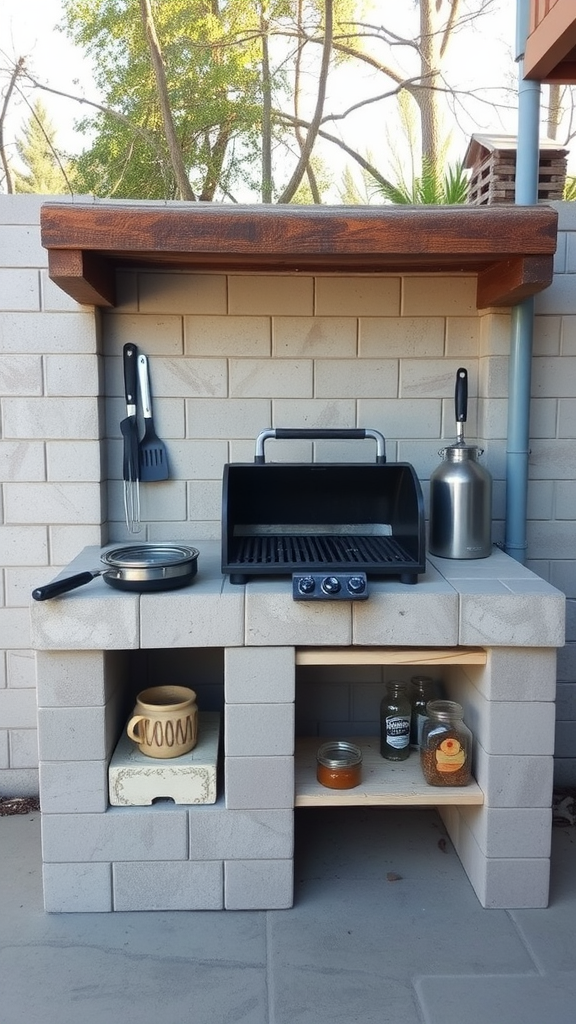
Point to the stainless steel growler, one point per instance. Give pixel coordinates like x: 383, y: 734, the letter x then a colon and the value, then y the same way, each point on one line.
x: 460, y: 522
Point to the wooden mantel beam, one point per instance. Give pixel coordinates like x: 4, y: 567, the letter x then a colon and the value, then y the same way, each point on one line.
x: 509, y: 248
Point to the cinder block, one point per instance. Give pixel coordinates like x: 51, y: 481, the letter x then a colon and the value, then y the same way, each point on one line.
x: 103, y: 619
x: 77, y: 888
x: 514, y: 781
x: 259, y: 378
x: 161, y: 335
x: 258, y: 884
x: 273, y: 295
x: 314, y: 337
x: 39, y: 332
x: 357, y: 296
x: 70, y: 678
x: 17, y: 708
x: 55, y: 502
x: 24, y: 545
x: 15, y: 628
x: 505, y: 727
x: 226, y: 418
x: 58, y: 418
x: 245, y: 336
x: 273, y: 617
x: 72, y: 734
x: 20, y: 375
x: 22, y: 242
x: 23, y: 461
x: 208, y: 613
x: 259, y: 782
x: 259, y: 675
x: 258, y: 729
x: 79, y: 461
x: 396, y: 613
x: 501, y: 883
x: 348, y: 378
x: 437, y: 296
x: 122, y: 833
x: 72, y: 375
x: 217, y: 833
x: 533, y: 618
x: 523, y: 832
x: 186, y: 293
x: 73, y: 787
x: 400, y: 338
x: 517, y: 675
x: 165, y: 885
x: 24, y: 748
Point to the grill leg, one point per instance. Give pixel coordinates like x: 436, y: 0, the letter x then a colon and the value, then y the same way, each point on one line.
x: 408, y: 577
x: 239, y: 578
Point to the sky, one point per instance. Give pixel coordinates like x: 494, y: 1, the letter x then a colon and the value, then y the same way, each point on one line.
x: 27, y: 28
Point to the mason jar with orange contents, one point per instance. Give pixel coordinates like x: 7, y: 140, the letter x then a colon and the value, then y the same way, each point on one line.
x: 446, y: 745
x: 339, y: 765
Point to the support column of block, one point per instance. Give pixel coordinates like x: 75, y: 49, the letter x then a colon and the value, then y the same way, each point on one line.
x: 504, y: 845
x: 257, y: 840
x: 80, y: 697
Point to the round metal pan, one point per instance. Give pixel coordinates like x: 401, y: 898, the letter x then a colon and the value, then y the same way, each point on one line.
x: 142, y: 568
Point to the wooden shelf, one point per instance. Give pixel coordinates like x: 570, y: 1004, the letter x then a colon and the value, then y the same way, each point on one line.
x: 384, y: 783
x: 391, y: 656
x: 508, y: 248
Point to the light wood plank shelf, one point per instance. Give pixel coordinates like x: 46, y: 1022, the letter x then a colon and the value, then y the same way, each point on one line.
x: 384, y: 783
x: 391, y: 656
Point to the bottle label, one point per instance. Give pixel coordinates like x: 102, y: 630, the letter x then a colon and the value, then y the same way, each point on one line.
x: 398, y: 731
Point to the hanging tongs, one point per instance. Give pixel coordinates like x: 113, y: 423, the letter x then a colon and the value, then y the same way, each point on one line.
x: 129, y: 428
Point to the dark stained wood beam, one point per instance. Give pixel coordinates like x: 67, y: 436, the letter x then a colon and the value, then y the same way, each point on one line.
x: 86, y: 276
x: 86, y: 242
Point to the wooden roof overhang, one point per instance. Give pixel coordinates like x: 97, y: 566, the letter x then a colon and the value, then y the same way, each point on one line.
x: 509, y: 248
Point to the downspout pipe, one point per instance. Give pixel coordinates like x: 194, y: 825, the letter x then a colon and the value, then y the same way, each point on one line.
x: 522, y: 327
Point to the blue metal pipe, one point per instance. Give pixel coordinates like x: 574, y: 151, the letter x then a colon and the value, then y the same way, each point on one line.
x: 522, y: 332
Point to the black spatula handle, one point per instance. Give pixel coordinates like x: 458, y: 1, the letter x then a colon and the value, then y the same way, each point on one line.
x: 461, y: 395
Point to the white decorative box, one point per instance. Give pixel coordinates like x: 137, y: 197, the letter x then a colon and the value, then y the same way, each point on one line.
x: 135, y: 780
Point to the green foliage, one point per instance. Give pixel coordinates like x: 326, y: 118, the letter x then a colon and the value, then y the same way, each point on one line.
x: 212, y: 66
x: 46, y: 173
x: 570, y: 189
x: 431, y: 188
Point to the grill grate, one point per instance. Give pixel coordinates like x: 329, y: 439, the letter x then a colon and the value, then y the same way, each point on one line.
x: 328, y: 550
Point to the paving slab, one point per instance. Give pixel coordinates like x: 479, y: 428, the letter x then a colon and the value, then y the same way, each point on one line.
x: 385, y: 929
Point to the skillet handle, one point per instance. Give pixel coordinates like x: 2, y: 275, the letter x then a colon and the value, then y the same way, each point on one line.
x: 288, y: 433
x: 64, y: 585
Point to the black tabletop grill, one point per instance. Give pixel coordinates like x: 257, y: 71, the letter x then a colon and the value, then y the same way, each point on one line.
x: 284, y: 518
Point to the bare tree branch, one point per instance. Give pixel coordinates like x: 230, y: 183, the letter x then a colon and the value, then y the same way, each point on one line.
x: 320, y: 98
x: 18, y: 70
x: 174, y: 149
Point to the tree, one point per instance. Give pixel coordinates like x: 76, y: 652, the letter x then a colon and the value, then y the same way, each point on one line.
x: 231, y: 99
x: 46, y: 173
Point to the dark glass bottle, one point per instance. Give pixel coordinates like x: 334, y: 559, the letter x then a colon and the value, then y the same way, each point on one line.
x: 422, y: 690
x: 395, y: 713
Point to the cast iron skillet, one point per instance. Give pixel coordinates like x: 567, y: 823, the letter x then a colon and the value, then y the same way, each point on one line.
x: 138, y: 567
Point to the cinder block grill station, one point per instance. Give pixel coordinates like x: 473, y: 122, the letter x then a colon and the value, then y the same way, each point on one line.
x: 287, y: 317
x: 489, y: 627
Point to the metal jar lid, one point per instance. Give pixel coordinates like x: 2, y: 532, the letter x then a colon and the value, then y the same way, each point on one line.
x: 339, y: 754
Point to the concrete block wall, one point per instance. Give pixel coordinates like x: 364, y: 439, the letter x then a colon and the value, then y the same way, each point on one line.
x: 50, y: 462
x: 229, y: 356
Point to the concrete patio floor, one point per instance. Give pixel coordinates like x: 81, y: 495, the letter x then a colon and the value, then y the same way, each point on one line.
x: 385, y: 929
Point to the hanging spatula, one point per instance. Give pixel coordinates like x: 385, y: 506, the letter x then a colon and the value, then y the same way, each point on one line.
x: 153, y: 456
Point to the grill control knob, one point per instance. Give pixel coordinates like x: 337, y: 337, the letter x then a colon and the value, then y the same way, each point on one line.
x: 306, y: 585
x: 331, y: 585
x: 356, y: 585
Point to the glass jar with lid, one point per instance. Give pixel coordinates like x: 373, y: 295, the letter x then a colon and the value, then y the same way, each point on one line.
x: 395, y: 714
x: 446, y: 745
x: 421, y: 692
